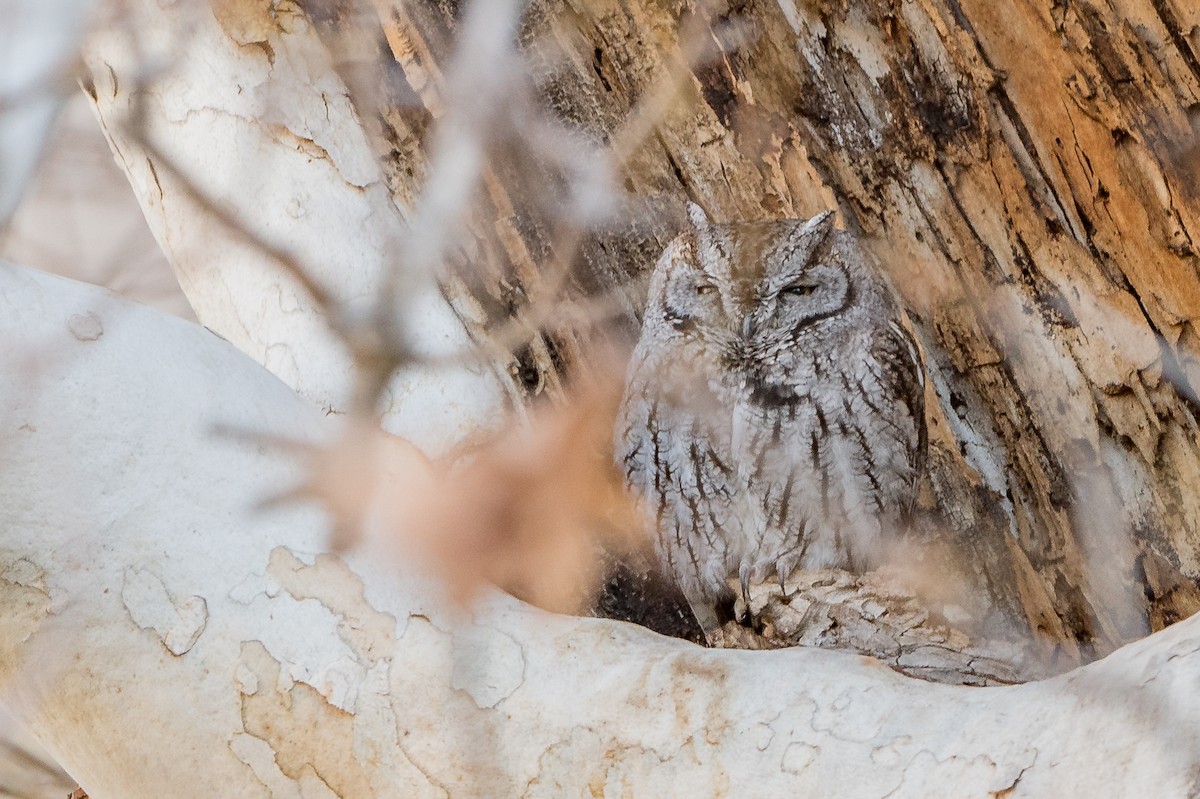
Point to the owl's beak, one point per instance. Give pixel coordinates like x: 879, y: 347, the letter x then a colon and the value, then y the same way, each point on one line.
x: 749, y: 328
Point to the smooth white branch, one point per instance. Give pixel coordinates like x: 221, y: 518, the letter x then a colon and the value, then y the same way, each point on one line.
x: 163, y: 638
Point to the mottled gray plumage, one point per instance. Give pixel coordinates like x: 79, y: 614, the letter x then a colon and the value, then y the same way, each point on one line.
x: 773, y: 417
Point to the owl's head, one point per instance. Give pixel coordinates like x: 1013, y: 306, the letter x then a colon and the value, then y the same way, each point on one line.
x: 755, y: 291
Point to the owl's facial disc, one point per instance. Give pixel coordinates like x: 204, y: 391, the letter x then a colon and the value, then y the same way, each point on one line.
x: 691, y: 299
x: 818, y: 293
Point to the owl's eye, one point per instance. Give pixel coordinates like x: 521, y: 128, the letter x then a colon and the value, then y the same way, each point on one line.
x: 705, y: 288
x: 799, y: 289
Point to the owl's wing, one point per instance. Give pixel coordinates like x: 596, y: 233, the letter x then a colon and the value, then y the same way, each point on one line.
x: 664, y: 463
x: 631, y: 435
x: 902, y: 375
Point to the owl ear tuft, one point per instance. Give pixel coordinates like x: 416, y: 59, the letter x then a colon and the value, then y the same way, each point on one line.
x: 815, y: 233
x: 820, y: 225
x: 698, y: 216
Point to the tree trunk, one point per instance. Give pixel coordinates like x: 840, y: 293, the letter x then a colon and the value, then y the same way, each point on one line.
x: 1024, y: 172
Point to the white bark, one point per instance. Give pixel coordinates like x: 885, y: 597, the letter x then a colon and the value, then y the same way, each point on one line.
x: 245, y: 103
x: 162, y: 638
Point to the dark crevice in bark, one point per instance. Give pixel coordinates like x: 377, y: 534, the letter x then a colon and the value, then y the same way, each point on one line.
x: 1043, y: 177
x: 1175, y: 31
x: 1172, y: 369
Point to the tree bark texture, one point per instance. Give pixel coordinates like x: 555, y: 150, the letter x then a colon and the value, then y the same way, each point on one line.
x: 248, y: 116
x: 1025, y: 172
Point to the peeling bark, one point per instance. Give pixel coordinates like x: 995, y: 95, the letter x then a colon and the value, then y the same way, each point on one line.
x: 257, y: 180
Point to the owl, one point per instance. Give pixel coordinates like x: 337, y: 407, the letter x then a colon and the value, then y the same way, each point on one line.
x: 773, y: 416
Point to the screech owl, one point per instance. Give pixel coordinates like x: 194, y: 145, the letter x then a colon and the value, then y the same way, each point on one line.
x: 773, y: 415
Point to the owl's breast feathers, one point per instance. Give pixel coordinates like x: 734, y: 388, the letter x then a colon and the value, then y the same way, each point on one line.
x: 773, y: 396
x: 856, y: 419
